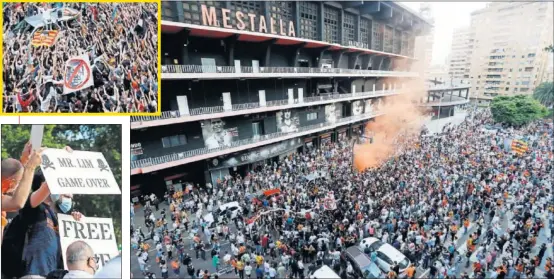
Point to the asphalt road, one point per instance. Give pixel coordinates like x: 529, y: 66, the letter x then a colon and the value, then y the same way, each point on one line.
x: 225, y: 246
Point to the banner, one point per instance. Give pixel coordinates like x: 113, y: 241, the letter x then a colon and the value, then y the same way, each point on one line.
x: 98, y: 233
x: 78, y: 172
x: 44, y: 38
x: 519, y: 146
x: 78, y: 74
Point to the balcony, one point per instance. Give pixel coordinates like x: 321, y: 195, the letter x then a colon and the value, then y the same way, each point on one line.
x: 185, y: 157
x: 196, y: 114
x: 232, y: 72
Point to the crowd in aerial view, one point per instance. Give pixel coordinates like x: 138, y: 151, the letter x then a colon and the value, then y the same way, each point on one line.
x: 460, y: 203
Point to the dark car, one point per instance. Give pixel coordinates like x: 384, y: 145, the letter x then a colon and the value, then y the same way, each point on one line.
x: 362, y: 265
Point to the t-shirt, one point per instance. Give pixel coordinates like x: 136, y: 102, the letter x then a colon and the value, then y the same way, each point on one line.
x: 248, y: 270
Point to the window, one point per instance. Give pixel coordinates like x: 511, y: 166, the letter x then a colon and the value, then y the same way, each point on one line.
x: 173, y: 141
x: 308, y: 20
x: 348, y: 28
x: 331, y: 21
x: 311, y: 116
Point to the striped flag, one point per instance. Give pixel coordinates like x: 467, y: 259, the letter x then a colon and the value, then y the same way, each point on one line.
x: 44, y: 38
x: 519, y: 146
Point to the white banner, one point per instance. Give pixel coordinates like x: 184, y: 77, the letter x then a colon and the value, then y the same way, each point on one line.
x: 98, y: 233
x: 78, y: 74
x: 37, y: 132
x: 78, y: 172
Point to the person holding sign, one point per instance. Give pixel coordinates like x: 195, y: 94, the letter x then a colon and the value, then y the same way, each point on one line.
x: 17, y: 180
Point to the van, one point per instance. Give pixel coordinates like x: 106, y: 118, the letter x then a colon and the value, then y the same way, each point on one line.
x: 362, y: 265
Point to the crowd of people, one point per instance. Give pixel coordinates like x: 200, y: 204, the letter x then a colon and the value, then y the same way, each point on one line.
x: 31, y: 246
x: 435, y: 192
x: 120, y: 41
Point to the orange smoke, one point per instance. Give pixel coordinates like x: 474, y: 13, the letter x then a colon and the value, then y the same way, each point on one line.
x: 401, y: 114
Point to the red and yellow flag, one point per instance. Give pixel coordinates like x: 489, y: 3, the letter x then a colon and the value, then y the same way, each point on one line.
x: 44, y: 38
x: 519, y: 146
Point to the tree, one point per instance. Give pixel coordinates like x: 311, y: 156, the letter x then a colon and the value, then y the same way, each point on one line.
x: 99, y: 138
x: 516, y: 110
x: 544, y: 93
x: 549, y: 48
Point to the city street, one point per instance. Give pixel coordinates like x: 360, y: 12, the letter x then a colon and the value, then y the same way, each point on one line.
x: 225, y: 246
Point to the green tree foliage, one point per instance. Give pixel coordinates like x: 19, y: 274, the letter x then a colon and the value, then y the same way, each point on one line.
x: 544, y: 93
x: 516, y: 110
x: 99, y: 138
x: 549, y: 48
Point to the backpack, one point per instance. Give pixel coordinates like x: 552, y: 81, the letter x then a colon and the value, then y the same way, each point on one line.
x: 13, y: 243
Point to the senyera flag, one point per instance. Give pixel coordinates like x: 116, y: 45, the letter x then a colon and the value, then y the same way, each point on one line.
x: 44, y: 38
x: 519, y: 146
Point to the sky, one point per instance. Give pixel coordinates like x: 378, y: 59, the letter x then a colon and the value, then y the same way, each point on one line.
x: 447, y: 17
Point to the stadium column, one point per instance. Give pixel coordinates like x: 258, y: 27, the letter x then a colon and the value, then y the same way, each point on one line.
x: 230, y: 43
x: 353, y: 59
x: 337, y: 56
x: 267, y: 56
x: 297, y: 18
x: 294, y: 58
x: 320, y: 21
x: 320, y: 56
x: 183, y: 46
x: 357, y: 28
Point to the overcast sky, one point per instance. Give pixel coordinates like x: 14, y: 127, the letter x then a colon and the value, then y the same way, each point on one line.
x: 447, y: 16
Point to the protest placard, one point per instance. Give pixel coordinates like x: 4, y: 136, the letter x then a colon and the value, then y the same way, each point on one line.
x: 78, y: 172
x: 37, y: 131
x: 78, y: 74
x: 97, y: 232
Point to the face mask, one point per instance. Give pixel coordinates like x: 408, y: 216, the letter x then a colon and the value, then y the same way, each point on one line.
x: 64, y: 204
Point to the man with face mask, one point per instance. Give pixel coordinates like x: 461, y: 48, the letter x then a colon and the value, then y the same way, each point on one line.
x: 81, y: 261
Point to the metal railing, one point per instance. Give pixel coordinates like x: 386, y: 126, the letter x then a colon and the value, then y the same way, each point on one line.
x: 201, y: 69
x: 258, y: 139
x: 238, y: 107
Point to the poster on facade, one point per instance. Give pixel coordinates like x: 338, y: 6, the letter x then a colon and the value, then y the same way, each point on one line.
x: 136, y: 151
x: 98, y: 233
x: 287, y: 121
x: 331, y: 113
x: 357, y: 107
x: 368, y: 106
x: 78, y: 172
x: 216, y: 135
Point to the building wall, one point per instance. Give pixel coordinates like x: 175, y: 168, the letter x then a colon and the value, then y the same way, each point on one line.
x: 508, y: 41
x: 335, y: 22
x: 460, y: 51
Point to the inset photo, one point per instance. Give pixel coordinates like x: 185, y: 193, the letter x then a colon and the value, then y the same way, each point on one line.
x: 61, y: 201
x: 80, y: 58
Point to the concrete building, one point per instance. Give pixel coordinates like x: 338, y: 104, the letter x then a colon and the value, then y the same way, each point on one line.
x: 423, y: 50
x: 245, y: 83
x: 507, y: 40
x: 460, y: 52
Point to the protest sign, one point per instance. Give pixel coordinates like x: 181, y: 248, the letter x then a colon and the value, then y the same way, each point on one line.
x: 37, y: 132
x: 78, y: 172
x: 97, y: 232
x: 78, y: 74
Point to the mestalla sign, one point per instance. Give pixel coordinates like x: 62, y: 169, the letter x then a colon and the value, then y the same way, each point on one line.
x: 258, y: 23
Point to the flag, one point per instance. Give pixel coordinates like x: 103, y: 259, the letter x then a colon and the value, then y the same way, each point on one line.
x: 115, y: 13
x: 44, y: 38
x: 519, y: 146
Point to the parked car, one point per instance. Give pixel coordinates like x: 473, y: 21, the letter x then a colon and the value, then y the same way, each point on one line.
x: 387, y: 255
x: 362, y: 265
x: 324, y: 272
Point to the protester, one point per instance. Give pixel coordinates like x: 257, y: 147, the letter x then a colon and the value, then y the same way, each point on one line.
x: 120, y: 41
x: 81, y: 261
x: 464, y: 177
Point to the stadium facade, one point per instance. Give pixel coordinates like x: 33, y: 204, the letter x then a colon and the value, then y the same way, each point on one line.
x: 245, y: 83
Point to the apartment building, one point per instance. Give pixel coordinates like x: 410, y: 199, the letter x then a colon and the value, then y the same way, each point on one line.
x: 507, y: 41
x: 424, y: 44
x: 245, y: 83
x: 460, y: 53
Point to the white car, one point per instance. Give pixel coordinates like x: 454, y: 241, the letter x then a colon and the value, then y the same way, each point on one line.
x: 232, y: 207
x: 386, y: 254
